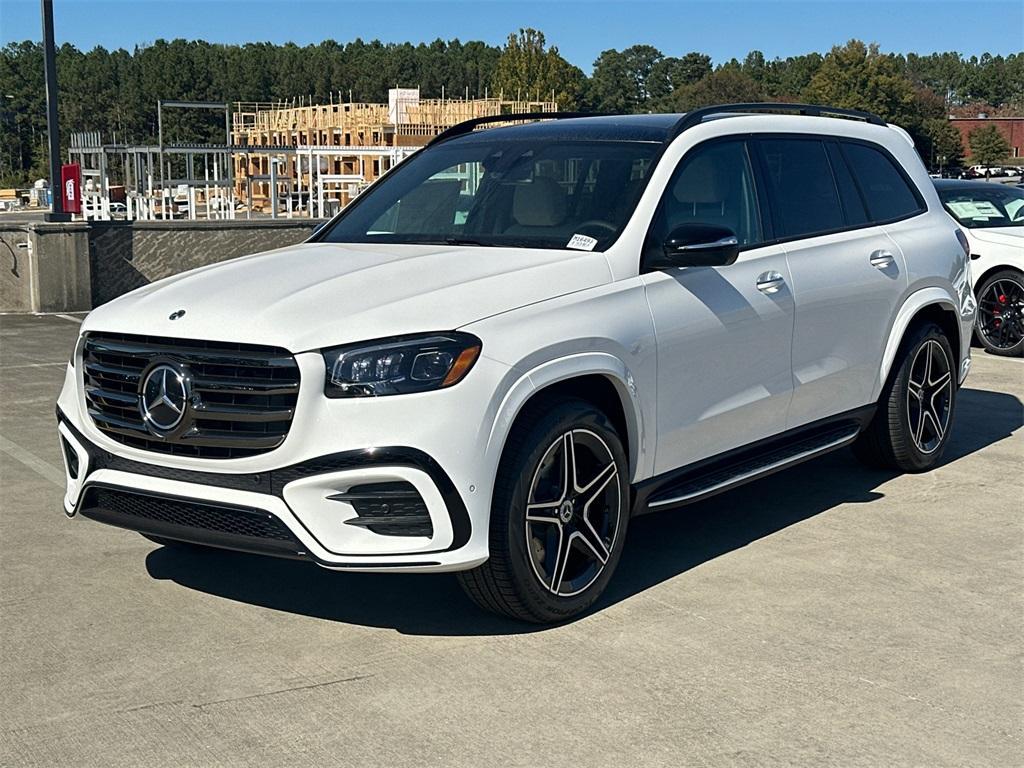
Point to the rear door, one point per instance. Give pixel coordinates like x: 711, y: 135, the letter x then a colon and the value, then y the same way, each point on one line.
x: 848, y: 275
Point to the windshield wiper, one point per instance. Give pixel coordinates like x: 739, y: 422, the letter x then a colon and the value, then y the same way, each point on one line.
x: 464, y: 241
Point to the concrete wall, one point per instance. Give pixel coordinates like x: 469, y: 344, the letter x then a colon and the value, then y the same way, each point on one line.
x: 77, y: 266
x: 126, y: 255
x: 15, y: 283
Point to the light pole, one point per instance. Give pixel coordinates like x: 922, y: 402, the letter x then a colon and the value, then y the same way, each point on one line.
x: 52, y: 129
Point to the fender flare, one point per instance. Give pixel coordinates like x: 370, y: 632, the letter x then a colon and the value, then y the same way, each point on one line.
x: 911, y: 306
x: 570, y: 367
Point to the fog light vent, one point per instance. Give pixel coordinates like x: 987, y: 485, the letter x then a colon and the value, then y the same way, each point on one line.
x: 388, y: 509
x: 71, y: 457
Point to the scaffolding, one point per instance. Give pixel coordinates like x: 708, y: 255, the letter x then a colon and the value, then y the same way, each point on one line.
x: 319, y: 157
x: 295, y: 159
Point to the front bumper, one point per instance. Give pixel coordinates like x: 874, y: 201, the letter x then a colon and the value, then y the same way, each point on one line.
x: 440, y: 443
x: 285, y: 512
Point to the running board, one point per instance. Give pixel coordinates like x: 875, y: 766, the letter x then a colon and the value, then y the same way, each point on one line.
x: 714, y: 480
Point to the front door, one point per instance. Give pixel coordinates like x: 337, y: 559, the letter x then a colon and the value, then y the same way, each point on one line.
x: 724, y: 333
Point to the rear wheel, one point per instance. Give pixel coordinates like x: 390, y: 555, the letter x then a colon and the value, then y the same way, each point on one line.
x: 559, y: 515
x: 911, y: 427
x: 1000, y: 326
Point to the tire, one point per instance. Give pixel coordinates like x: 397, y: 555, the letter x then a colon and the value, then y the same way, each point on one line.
x: 552, y: 553
x: 911, y: 427
x: 1000, y: 325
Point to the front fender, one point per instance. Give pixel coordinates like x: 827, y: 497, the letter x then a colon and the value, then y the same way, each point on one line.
x: 573, y: 366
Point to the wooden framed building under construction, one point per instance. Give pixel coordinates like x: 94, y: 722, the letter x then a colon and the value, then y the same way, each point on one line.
x: 330, y: 152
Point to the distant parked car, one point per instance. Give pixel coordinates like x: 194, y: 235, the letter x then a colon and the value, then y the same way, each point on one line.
x: 986, y: 171
x: 118, y: 211
x: 992, y: 216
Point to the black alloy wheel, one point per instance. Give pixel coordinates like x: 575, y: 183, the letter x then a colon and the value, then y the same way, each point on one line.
x: 573, y: 512
x: 929, y: 396
x: 1000, y: 325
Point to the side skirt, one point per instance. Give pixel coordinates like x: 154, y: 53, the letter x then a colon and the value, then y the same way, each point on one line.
x: 717, y: 474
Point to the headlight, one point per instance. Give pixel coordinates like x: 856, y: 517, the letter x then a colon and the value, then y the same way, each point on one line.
x: 399, y: 365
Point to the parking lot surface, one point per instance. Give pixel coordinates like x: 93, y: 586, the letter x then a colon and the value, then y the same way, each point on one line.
x: 829, y: 615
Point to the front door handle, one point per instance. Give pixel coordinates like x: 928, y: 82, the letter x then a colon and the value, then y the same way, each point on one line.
x: 770, y: 282
x: 881, y: 259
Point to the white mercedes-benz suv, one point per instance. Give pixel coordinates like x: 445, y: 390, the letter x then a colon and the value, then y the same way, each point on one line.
x: 525, y: 335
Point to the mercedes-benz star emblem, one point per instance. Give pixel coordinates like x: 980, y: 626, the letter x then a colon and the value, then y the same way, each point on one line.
x: 164, y: 397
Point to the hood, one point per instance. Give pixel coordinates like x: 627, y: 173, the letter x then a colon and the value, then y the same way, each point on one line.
x: 999, y: 235
x: 319, y: 294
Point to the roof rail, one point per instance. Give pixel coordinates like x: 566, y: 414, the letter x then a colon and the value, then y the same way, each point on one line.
x: 468, y: 126
x: 697, y: 116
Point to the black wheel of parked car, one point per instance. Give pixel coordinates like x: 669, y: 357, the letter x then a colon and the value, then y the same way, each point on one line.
x: 911, y: 427
x: 559, y: 514
x: 1000, y: 326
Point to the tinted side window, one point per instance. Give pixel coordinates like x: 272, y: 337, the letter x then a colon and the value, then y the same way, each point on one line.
x: 886, y: 192
x: 853, y: 203
x: 712, y: 185
x: 803, y: 192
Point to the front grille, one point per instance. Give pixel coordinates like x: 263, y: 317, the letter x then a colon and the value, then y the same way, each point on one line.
x: 201, y: 522
x: 190, y: 514
x: 243, y: 395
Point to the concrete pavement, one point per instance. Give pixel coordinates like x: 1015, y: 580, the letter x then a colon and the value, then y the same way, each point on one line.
x: 829, y: 615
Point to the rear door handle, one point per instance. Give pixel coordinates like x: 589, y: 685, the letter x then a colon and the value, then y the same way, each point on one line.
x: 881, y: 259
x: 770, y: 282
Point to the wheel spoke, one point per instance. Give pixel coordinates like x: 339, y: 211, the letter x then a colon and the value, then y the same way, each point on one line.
x: 569, y: 465
x: 933, y: 416
x: 543, y: 513
x: 593, y: 541
x: 929, y: 416
x: 919, y: 431
x: 598, y: 484
x: 561, y: 557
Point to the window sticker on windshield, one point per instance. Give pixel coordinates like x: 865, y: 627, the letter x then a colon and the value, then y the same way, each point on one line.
x: 581, y: 243
x: 975, y: 209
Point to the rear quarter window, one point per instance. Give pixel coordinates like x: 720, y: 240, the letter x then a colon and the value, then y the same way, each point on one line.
x: 887, y: 193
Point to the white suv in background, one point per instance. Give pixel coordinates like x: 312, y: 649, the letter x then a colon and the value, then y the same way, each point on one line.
x: 524, y: 336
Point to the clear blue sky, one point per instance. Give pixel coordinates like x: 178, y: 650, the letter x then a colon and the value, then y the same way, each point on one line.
x: 580, y: 28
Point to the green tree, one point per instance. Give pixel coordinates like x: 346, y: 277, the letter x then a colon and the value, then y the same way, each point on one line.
x: 944, y: 145
x: 528, y: 69
x: 988, y: 146
x: 726, y: 85
x: 857, y: 76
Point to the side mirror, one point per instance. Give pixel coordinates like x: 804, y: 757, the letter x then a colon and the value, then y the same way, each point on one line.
x: 698, y: 245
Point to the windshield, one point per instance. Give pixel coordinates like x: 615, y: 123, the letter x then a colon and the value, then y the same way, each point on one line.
x: 512, y: 192
x: 976, y: 208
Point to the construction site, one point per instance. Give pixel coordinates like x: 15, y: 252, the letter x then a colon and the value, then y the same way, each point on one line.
x: 282, y: 159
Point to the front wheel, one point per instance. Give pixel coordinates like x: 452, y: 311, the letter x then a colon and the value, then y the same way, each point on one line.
x: 911, y: 427
x: 1000, y: 325
x: 558, y: 517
